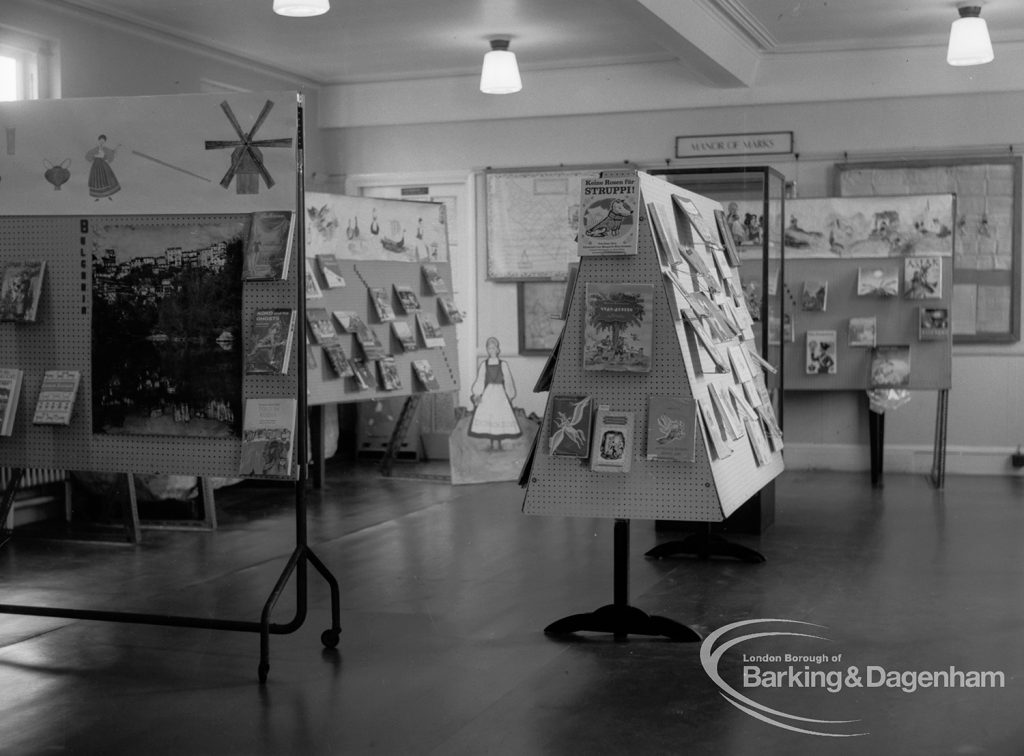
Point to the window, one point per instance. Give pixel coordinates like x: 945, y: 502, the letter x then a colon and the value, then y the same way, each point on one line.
x: 24, y: 66
x: 8, y: 79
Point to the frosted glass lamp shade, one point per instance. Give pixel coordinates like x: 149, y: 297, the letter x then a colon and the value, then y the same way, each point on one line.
x: 969, y: 43
x: 500, y: 73
x: 301, y: 8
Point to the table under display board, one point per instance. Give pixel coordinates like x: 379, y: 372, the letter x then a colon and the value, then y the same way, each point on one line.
x: 656, y: 312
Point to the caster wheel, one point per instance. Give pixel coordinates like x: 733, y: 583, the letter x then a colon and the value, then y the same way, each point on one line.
x: 264, y: 669
x: 330, y: 638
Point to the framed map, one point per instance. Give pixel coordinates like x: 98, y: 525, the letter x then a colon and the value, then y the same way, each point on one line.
x: 986, y: 268
x: 532, y: 221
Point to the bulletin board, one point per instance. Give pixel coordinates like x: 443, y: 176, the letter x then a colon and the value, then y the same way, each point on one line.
x: 180, y: 162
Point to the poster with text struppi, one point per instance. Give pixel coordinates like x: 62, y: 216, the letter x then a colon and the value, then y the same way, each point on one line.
x: 608, y: 207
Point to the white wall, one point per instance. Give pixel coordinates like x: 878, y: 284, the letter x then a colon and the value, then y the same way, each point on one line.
x: 986, y: 414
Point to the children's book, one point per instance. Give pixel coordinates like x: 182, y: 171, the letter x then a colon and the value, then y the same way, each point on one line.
x: 671, y: 428
x: 728, y: 240
x: 719, y: 446
x: 382, y: 304
x: 571, y: 423
x: 740, y: 365
x: 57, y: 397
x: 373, y: 347
x: 450, y: 310
x: 687, y: 207
x: 753, y: 293
x: 404, y: 335
x: 268, y: 436
x: 890, y: 366
x: 607, y: 219
x: 10, y: 391
x: 863, y: 332
x: 337, y: 359
x: 933, y: 324
x: 618, y: 333
x: 330, y: 269
x: 814, y: 297
x: 389, y: 378
x: 21, y: 284
x: 821, y: 353
x: 424, y: 373
x: 664, y: 235
x: 758, y: 442
x: 612, y: 446
x: 320, y: 325
x: 363, y: 374
x: 435, y: 281
x: 313, y: 290
x: 407, y: 298
x: 430, y: 330
x: 922, y: 277
x: 725, y: 411
x: 269, y: 346
x: 349, y: 320
x: 268, y: 246
x: 880, y: 281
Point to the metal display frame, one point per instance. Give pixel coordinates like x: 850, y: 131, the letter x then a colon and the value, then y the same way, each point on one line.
x: 62, y: 292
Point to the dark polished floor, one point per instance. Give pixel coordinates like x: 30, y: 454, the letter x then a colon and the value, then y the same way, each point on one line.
x: 445, y: 592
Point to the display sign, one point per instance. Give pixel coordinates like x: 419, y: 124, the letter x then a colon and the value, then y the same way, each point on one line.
x: 720, y: 145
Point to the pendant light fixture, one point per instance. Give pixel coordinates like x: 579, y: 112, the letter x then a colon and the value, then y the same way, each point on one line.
x: 301, y: 8
x: 500, y: 73
x: 969, y: 43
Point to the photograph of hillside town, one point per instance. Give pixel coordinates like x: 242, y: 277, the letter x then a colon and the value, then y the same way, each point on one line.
x: 166, y: 328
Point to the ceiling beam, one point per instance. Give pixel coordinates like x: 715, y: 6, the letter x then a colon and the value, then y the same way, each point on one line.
x: 702, y: 40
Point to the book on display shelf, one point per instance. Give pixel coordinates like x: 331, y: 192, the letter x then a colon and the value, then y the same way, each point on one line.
x: 612, y: 446
x: 330, y: 269
x: 268, y: 246
x: 881, y: 281
x: 382, y: 304
x: 21, y: 285
x: 607, y: 219
x: 821, y: 353
x: 364, y: 375
x: 424, y: 372
x: 435, y: 281
x: 407, y: 299
x: 863, y: 332
x: 814, y: 297
x: 890, y: 366
x: 450, y: 309
x: 403, y: 332
x: 618, y: 333
x: 320, y: 325
x: 389, y: 378
x: 337, y: 359
x: 720, y: 447
x: 671, y: 428
x: 922, y: 277
x: 313, y: 290
x: 268, y: 437
x: 571, y: 422
x: 372, y: 346
x: 349, y: 320
x: 56, y: 400
x: 270, y: 341
x: 430, y: 330
x: 933, y: 324
x: 10, y: 391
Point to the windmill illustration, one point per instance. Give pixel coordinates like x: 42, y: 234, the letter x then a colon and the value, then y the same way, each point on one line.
x: 246, y: 157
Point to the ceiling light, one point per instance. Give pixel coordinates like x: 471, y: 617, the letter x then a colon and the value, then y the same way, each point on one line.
x: 500, y: 74
x: 969, y: 43
x: 301, y: 8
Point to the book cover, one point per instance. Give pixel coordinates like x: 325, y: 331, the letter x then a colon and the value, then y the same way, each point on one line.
x: 933, y: 324
x: 671, y: 428
x: 771, y: 427
x: 424, y: 373
x: 863, y: 332
x: 612, y: 448
x: 389, y: 378
x: 719, y: 446
x: 337, y: 359
x: 740, y: 364
x: 922, y: 277
x: 618, y: 332
x: 821, y: 353
x: 881, y: 281
x: 21, y: 285
x: 814, y: 297
x: 571, y: 423
x: 313, y: 290
x: 435, y: 281
x: 430, y: 330
x: 698, y: 267
x: 450, y: 310
x: 728, y: 240
x: 404, y: 335
x: 372, y: 346
x: 57, y: 396
x: 10, y: 392
x: 664, y: 235
x: 692, y: 213
x: 349, y: 320
x: 744, y: 399
x: 753, y: 293
x: 320, y: 325
x: 890, y: 366
x: 607, y: 218
x: 703, y: 339
x: 268, y: 245
x: 382, y: 304
x: 268, y: 436
x: 270, y: 341
x: 330, y: 269
x: 758, y: 442
x: 728, y: 420
x: 407, y: 299
x: 363, y: 373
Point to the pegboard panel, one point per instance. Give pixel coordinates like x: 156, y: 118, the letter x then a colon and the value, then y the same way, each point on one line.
x: 325, y: 387
x: 61, y: 338
x: 704, y: 490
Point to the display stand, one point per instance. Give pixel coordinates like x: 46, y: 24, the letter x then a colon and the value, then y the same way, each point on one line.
x: 65, y: 324
x: 707, y: 489
x: 619, y: 618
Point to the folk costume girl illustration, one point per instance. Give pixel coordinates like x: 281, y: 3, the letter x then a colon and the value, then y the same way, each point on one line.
x: 102, y: 181
x: 492, y: 394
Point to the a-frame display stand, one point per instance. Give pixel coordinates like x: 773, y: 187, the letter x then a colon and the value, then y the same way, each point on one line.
x: 714, y: 483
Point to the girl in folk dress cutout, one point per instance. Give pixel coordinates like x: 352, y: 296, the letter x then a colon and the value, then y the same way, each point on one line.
x: 492, y: 394
x: 102, y: 181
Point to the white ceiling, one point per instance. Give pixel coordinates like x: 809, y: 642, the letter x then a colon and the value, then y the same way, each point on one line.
x: 721, y: 41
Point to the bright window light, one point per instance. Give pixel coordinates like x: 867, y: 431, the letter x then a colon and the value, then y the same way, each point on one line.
x: 8, y: 79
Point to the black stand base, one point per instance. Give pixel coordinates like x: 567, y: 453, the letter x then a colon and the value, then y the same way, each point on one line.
x: 705, y: 546
x: 621, y: 621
